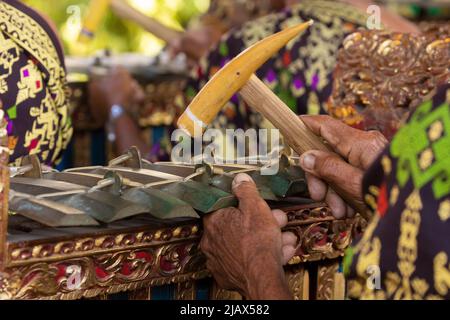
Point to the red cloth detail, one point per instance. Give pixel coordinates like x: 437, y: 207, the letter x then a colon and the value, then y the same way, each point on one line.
x: 382, y: 203
x: 287, y: 58
x: 33, y: 144
x: 199, y: 72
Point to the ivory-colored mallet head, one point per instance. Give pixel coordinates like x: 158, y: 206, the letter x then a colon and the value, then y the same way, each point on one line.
x: 231, y: 78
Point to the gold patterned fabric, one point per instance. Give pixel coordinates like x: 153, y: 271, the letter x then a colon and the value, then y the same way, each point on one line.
x: 32, y: 84
x: 405, y: 252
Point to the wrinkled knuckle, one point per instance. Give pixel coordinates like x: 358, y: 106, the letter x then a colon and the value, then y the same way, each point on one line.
x: 378, y: 137
x: 208, y: 228
x: 201, y: 246
x: 328, y: 166
x: 245, y: 189
x: 257, y: 205
x: 212, y: 218
x: 208, y: 220
x: 316, y: 117
x: 377, y: 141
x: 210, y: 266
x: 260, y: 203
x: 204, y: 244
x: 337, y: 142
x: 328, y: 118
x: 239, y: 191
x: 253, y: 199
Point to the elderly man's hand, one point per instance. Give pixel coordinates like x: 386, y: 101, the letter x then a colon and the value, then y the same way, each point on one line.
x: 245, y: 247
x: 358, y: 149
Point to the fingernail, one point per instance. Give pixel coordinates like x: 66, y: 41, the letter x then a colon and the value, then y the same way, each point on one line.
x: 240, y: 178
x: 308, y: 161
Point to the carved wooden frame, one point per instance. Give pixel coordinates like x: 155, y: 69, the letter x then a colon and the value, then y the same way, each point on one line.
x: 147, y: 257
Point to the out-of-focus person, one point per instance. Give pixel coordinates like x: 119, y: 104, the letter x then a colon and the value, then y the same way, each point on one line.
x: 206, y: 31
x: 301, y: 73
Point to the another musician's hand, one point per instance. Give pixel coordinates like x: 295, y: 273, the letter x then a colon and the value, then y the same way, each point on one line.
x: 194, y: 43
x: 116, y: 87
x: 245, y: 247
x: 355, y: 151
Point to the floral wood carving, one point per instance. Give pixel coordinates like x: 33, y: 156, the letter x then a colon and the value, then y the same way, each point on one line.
x: 127, y: 262
x: 330, y: 282
x: 435, y: 30
x: 298, y: 280
x: 320, y: 235
x: 381, y: 76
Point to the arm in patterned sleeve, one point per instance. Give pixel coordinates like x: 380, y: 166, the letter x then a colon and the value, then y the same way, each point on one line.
x: 222, y: 16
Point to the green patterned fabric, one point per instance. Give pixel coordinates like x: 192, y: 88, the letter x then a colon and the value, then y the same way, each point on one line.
x: 408, y: 189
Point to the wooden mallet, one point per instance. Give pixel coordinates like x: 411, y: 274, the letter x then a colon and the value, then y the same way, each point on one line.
x: 98, y: 9
x: 238, y: 76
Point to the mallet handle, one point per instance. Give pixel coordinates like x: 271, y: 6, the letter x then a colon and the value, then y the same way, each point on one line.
x: 153, y: 26
x: 297, y: 135
x: 262, y: 99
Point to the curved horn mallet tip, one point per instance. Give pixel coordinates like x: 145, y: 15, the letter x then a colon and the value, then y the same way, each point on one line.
x: 231, y: 78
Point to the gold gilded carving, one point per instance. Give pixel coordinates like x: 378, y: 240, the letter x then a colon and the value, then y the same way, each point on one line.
x: 86, y: 246
x: 320, y: 235
x: 330, y: 282
x: 185, y: 291
x: 106, y: 273
x: 222, y: 294
x: 382, y: 75
x: 113, y: 263
x: 298, y: 281
x: 140, y: 294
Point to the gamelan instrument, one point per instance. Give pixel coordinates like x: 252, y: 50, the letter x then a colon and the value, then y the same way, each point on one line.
x: 238, y: 76
x: 131, y: 230
x: 129, y: 186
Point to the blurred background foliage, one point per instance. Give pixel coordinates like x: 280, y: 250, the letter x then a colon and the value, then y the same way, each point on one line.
x: 116, y: 34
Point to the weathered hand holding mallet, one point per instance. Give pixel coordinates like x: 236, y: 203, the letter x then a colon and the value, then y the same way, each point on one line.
x: 238, y: 75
